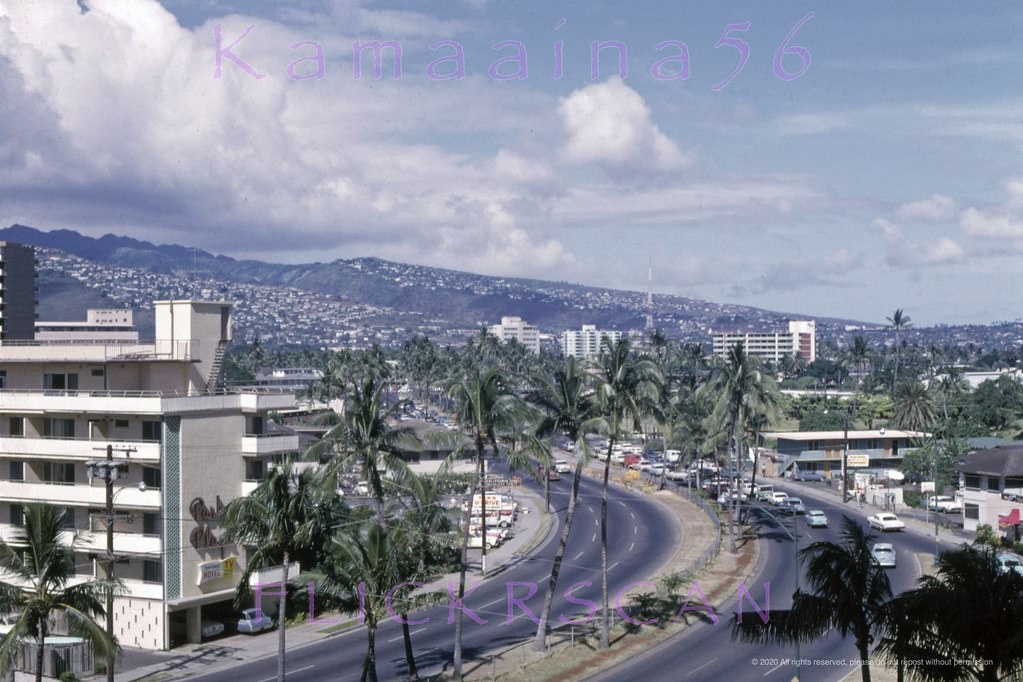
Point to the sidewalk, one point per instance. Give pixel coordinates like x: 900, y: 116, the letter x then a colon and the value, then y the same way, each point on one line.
x: 532, y: 529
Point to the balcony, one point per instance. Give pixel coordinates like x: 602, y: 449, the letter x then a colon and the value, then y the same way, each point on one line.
x: 269, y: 443
x: 139, y: 589
x: 78, y: 495
x: 124, y: 543
x: 141, y: 402
x: 75, y: 448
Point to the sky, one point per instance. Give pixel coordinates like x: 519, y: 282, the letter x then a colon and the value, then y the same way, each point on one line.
x: 866, y: 156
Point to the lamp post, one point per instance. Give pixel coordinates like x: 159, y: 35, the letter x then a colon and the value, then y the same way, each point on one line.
x: 845, y: 461
x: 109, y: 470
x: 794, y: 536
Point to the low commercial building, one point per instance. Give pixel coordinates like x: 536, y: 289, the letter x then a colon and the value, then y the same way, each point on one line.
x: 872, y: 450
x: 992, y: 485
x: 100, y: 324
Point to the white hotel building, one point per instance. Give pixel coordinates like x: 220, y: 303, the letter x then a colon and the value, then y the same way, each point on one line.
x: 196, y: 448
x: 801, y: 339
x: 587, y: 341
x: 515, y: 328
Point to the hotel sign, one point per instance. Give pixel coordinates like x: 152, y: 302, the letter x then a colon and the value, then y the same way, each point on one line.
x: 857, y: 461
x: 215, y: 570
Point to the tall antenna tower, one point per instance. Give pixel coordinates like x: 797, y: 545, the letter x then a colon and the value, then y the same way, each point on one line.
x: 649, y: 307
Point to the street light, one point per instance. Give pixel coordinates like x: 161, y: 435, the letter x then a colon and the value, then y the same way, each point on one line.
x: 794, y: 536
x: 110, y: 470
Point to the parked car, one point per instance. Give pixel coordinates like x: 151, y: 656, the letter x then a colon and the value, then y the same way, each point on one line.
x: 657, y: 468
x: 883, y: 554
x: 764, y: 492
x: 640, y: 464
x: 808, y: 476
x: 885, y: 521
x: 253, y: 621
x: 677, y: 475
x: 361, y: 488
x: 815, y: 518
x: 944, y: 503
x: 1009, y: 562
x: 212, y: 628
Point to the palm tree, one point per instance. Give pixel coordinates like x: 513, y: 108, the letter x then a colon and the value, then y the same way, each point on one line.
x: 623, y: 385
x: 858, y: 356
x: 370, y: 561
x: 569, y: 408
x: 43, y: 567
x: 914, y: 406
x: 484, y: 405
x: 279, y: 519
x: 967, y: 615
x: 740, y: 389
x: 364, y: 435
x: 849, y: 593
x: 898, y: 321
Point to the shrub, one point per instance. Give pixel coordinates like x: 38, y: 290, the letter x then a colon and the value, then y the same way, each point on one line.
x: 986, y: 536
x: 912, y: 498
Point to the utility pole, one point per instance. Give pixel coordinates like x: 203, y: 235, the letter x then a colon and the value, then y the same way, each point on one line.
x: 109, y: 471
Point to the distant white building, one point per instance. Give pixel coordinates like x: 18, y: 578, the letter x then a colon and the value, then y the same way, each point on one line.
x: 587, y: 341
x: 800, y: 338
x: 514, y: 328
x: 101, y: 324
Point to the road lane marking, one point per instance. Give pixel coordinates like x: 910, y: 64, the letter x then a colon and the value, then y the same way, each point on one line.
x: 632, y: 515
x: 630, y: 547
x: 596, y: 522
x: 611, y: 567
x: 780, y: 665
x: 593, y: 539
x: 395, y: 639
x: 580, y: 552
x: 290, y: 672
x: 696, y: 670
x: 635, y: 530
x: 622, y: 502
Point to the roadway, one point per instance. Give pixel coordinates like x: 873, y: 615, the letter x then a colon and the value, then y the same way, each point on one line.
x: 706, y: 651
x: 642, y: 535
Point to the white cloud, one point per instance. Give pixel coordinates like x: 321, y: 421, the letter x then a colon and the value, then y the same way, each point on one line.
x: 609, y: 124
x: 903, y: 252
x: 985, y: 225
x: 937, y: 208
x: 939, y: 252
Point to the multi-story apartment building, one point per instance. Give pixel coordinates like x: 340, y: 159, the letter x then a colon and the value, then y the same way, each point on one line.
x: 587, y: 341
x: 193, y: 446
x: 800, y: 338
x: 514, y: 328
x: 17, y: 291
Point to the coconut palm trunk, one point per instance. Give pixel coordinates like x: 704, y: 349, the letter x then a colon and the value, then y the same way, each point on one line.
x: 410, y: 658
x: 369, y: 664
x: 605, y: 625
x: 281, y: 617
x: 40, y: 650
x: 540, y: 641
x: 461, y: 589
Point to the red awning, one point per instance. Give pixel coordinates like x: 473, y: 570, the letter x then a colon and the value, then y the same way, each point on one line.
x: 1012, y: 519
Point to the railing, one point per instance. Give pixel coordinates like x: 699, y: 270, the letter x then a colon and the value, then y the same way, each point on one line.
x: 114, y: 393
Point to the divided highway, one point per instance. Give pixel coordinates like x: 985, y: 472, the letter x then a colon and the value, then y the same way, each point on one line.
x: 641, y: 536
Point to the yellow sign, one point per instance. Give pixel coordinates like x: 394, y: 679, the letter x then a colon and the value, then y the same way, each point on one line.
x: 217, y: 569
x: 857, y: 461
x: 230, y: 564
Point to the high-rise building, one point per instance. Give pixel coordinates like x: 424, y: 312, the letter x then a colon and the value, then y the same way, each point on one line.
x: 17, y: 292
x: 194, y: 446
x: 801, y: 339
x: 514, y: 328
x: 587, y: 341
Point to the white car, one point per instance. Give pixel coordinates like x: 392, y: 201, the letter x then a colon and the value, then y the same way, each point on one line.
x: 675, y: 475
x: 944, y: 503
x: 562, y: 466
x: 815, y: 518
x: 1009, y: 562
x: 883, y: 554
x: 779, y: 498
x: 885, y: 521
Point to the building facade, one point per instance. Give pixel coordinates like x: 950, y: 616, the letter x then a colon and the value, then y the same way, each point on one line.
x: 515, y: 328
x: 194, y: 447
x: 872, y: 451
x: 992, y: 485
x: 17, y: 291
x: 100, y: 324
x: 801, y: 339
x: 587, y: 341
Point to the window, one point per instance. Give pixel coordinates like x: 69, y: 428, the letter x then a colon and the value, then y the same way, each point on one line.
x: 152, y: 571
x: 151, y: 431
x: 3, y: 378
x: 17, y: 515
x: 121, y: 423
x: 151, y: 477
x: 17, y: 470
x: 59, y: 472
x: 150, y: 524
x: 256, y: 426
x: 17, y: 426
x: 971, y: 481
x: 58, y: 428
x: 60, y: 382
x: 97, y: 371
x: 993, y: 484
x: 69, y: 518
x: 971, y: 510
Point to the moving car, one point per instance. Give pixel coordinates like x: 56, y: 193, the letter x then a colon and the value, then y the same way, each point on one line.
x: 944, y: 503
x: 885, y: 521
x: 562, y: 466
x: 794, y: 504
x: 808, y: 476
x: 778, y: 498
x: 815, y: 518
x: 883, y: 554
x: 212, y: 628
x: 253, y: 621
